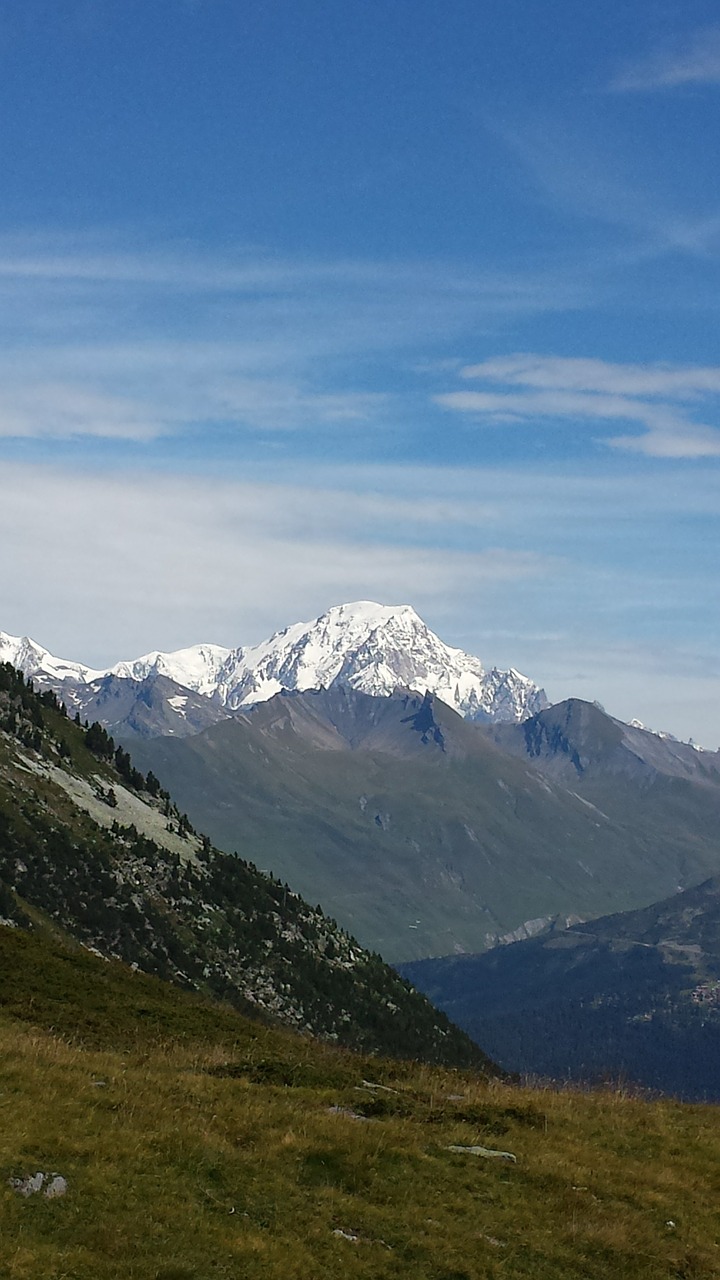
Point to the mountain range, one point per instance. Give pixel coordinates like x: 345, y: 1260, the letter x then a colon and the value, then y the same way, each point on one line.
x: 424, y: 836
x: 150, y: 1126
x: 365, y: 646
x: 433, y: 809
x: 335, y: 756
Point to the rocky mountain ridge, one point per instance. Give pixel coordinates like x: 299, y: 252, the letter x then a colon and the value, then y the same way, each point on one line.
x: 579, y: 742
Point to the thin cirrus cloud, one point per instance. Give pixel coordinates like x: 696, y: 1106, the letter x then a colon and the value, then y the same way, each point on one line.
x: 86, y: 261
x: 64, y: 411
x: 694, y: 60
x: 586, y: 374
x: 658, y: 399
x: 114, y: 343
x: 580, y: 179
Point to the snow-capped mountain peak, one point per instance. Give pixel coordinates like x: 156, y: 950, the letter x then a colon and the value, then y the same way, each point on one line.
x: 30, y: 658
x: 376, y: 649
x: 339, y: 645
x: 370, y: 647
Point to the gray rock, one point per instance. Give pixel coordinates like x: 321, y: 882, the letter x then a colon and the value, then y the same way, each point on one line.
x: 56, y: 1187
x: 52, y: 1185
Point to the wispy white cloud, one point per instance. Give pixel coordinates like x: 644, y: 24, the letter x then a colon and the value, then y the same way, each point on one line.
x: 585, y: 374
x: 256, y: 272
x: 692, y: 59
x: 675, y: 438
x: 576, y: 390
x: 63, y: 411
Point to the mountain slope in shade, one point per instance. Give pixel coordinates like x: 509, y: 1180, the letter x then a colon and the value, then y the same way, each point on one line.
x: 366, y: 646
x: 416, y: 831
x: 634, y: 996
x: 651, y: 782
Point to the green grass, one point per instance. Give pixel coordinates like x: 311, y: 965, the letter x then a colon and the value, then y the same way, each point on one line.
x: 198, y: 1144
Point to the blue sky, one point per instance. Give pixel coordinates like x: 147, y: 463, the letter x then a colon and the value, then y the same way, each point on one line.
x: 316, y: 302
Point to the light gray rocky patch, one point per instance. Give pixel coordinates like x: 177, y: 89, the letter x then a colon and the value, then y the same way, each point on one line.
x: 486, y: 1152
x: 130, y: 809
x: 27, y: 1186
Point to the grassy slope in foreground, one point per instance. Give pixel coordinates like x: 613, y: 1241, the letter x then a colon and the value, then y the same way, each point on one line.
x: 197, y: 1144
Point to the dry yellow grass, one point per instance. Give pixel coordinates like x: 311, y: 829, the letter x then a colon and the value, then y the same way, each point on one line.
x: 178, y: 1171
